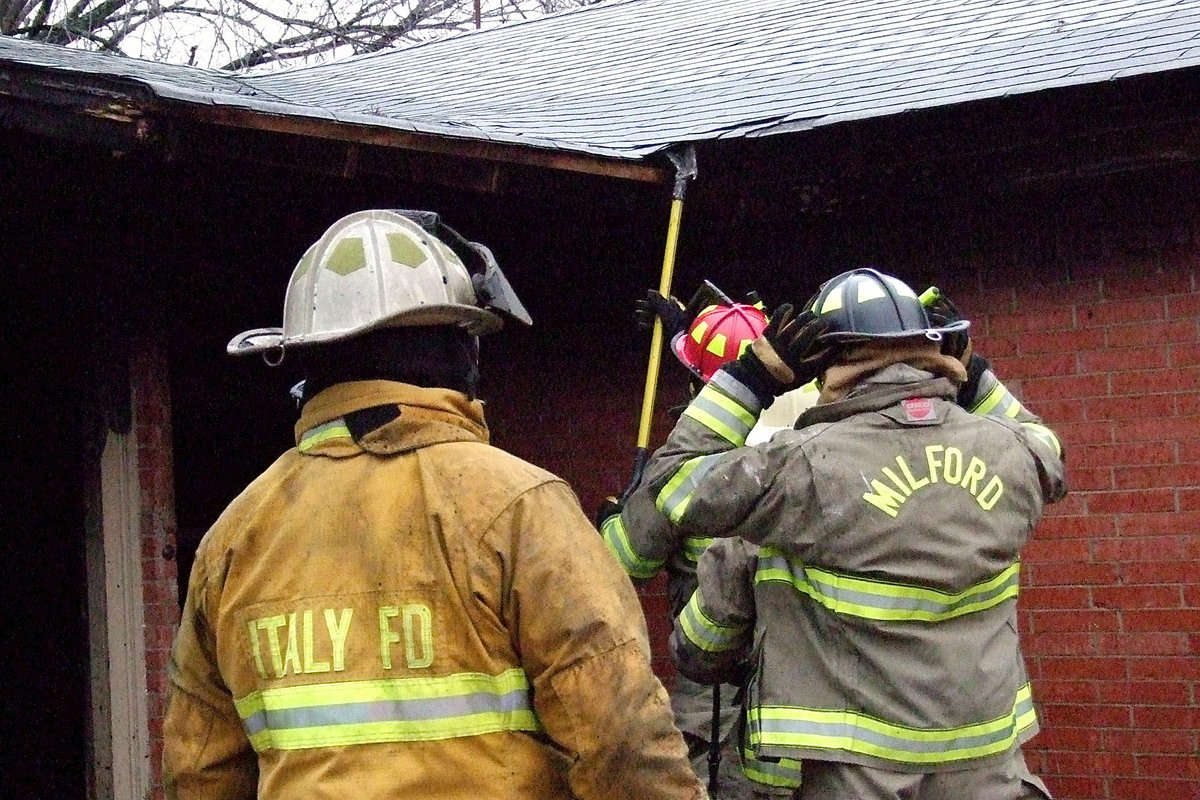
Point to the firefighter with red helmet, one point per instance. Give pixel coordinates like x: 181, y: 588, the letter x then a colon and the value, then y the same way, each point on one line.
x: 868, y: 561
x: 645, y: 542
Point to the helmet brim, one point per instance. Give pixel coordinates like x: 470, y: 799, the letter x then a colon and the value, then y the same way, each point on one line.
x: 931, y: 333
x: 477, y: 321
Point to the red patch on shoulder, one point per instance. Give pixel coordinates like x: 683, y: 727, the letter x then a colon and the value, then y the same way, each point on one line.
x: 918, y: 409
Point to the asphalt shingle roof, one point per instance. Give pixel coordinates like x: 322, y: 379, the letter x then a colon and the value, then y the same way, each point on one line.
x: 627, y: 78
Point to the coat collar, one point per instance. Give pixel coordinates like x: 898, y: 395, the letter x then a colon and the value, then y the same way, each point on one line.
x: 884, y: 388
x: 426, y: 416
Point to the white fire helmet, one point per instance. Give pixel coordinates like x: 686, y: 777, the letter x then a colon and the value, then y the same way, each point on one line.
x: 381, y: 268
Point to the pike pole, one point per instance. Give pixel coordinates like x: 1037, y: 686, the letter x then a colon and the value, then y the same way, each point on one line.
x: 684, y: 159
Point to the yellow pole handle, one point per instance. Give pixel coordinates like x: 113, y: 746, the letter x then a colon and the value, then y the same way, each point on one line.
x: 656, y: 336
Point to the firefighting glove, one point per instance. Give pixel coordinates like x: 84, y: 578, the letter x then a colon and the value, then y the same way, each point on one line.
x: 609, y: 508
x: 788, y: 354
x: 976, y: 366
x: 941, y: 313
x: 668, y: 309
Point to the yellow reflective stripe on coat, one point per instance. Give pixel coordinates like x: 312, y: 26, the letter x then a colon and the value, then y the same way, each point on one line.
x: 613, y: 531
x: 703, y: 632
x: 393, y: 710
x: 674, y: 498
x: 1045, y: 434
x: 721, y: 414
x: 849, y: 731
x: 879, y: 600
x: 784, y: 772
x: 322, y: 433
x: 694, y: 546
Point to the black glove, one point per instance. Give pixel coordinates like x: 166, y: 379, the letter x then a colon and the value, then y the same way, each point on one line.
x: 787, y: 355
x: 668, y: 309
x: 609, y: 508
x: 941, y: 313
x: 976, y: 366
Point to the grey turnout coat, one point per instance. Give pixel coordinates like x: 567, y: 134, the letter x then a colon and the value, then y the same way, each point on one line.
x: 878, y: 589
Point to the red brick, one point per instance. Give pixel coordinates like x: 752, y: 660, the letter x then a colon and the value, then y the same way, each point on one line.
x: 1046, y: 320
x: 1055, y: 412
x: 1152, y: 789
x: 1075, y: 787
x: 1121, y: 312
x: 1184, y: 354
x: 1126, y: 454
x: 1091, y: 480
x: 1082, y: 620
x: 1147, y: 548
x: 1161, y: 718
x: 1050, y: 387
x: 1074, y: 550
x: 997, y: 347
x: 1144, y: 644
x: 1069, y: 691
x: 1175, y: 619
x: 1158, y: 524
x: 1091, y: 763
x: 1087, y: 668
x: 1063, y: 737
x: 1189, y: 499
x: 1129, y: 406
x: 1076, y: 527
x: 1052, y: 293
x: 1156, y: 332
x: 1073, y: 505
x: 1072, y: 573
x: 1166, y: 475
x: 1165, y: 282
x: 1143, y: 691
x: 1186, y: 766
x: 1183, y: 307
x: 1179, y: 572
x: 1068, y: 341
x: 1189, y: 449
x: 1054, y: 598
x: 1075, y: 434
x: 1123, y: 359
x: 1137, y: 596
x: 1149, y: 741
x: 1131, y: 502
x: 1138, y: 430
x: 1191, y: 595
x: 1183, y: 379
x: 1036, y: 366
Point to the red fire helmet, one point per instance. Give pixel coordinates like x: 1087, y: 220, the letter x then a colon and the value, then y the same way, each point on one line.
x: 716, y: 336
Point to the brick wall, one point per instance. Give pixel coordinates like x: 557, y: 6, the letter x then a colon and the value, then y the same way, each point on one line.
x: 152, y: 415
x: 1106, y: 347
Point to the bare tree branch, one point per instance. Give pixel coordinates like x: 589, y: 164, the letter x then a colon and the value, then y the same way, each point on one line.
x: 240, y: 34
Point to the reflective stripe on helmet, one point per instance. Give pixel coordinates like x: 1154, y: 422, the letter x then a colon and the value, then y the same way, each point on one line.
x: 397, y: 710
x: 879, y: 600
x: 705, y: 634
x: 853, y: 732
x: 617, y: 538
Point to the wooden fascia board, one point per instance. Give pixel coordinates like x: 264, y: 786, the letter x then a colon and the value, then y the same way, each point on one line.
x: 423, y: 142
x: 125, y: 101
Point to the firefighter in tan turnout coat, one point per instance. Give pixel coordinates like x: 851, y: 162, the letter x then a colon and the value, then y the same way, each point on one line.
x: 873, y: 588
x: 396, y: 609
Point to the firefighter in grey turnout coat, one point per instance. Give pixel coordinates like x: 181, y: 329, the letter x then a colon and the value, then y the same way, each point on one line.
x: 873, y: 590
